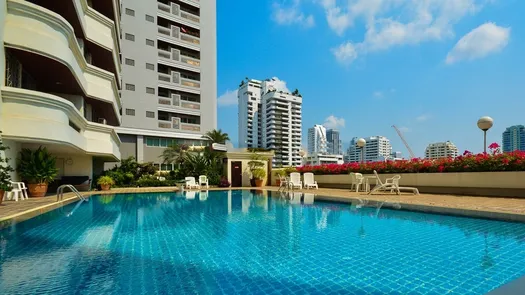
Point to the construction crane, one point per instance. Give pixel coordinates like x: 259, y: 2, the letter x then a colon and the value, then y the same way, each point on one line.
x: 412, y: 156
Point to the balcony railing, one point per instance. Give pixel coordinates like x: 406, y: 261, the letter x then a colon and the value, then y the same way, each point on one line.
x: 175, y: 55
x: 176, y: 124
x: 174, y: 10
x: 175, y: 101
x: 175, y: 78
x: 174, y: 33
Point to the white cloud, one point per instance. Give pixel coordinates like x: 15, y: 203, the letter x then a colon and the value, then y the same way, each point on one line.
x: 332, y: 122
x: 422, y: 118
x: 391, y: 23
x: 378, y: 94
x: 480, y: 42
x: 404, y: 129
x: 345, y: 53
x: 279, y: 85
x: 291, y: 15
x: 228, y: 98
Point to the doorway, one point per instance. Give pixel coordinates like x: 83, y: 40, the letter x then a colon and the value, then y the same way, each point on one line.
x: 236, y: 171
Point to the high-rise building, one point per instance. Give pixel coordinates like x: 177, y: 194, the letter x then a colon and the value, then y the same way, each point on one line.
x: 317, y: 143
x: 335, y: 145
x: 514, y: 139
x: 270, y: 117
x: 377, y: 148
x: 60, y: 77
x: 441, y: 150
x: 169, y: 73
x: 249, y: 96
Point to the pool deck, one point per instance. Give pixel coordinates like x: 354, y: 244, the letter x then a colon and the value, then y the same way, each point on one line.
x: 510, y: 209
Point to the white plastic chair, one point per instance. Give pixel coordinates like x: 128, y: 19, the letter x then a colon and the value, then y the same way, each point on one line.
x: 357, y: 181
x: 203, y: 181
x: 390, y: 184
x: 23, y: 188
x: 16, y: 191
x: 309, y: 181
x: 190, y: 183
x: 295, y: 180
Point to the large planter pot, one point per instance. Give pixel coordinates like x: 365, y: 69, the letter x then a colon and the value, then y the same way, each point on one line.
x: 278, y: 182
x: 105, y: 187
x: 1, y: 196
x: 259, y: 182
x: 37, y: 190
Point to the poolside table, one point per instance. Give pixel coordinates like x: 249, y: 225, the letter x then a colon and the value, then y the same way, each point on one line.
x: 367, y: 182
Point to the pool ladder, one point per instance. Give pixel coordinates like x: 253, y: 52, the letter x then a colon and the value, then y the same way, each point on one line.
x: 60, y: 192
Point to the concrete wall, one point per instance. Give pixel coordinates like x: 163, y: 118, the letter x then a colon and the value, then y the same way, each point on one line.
x: 504, y: 184
x: 128, y: 146
x: 152, y: 154
x: 208, y: 39
x: 75, y: 164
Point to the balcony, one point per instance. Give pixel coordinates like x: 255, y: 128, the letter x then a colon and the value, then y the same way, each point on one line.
x: 175, y: 102
x: 195, y: 3
x: 174, y: 11
x: 176, y: 79
x: 175, y: 57
x: 175, y: 124
x: 174, y: 34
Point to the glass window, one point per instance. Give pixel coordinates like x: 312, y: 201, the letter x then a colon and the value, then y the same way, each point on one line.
x: 130, y: 37
x: 130, y: 12
x: 163, y: 142
x: 150, y: 18
x: 152, y: 141
x: 164, y: 167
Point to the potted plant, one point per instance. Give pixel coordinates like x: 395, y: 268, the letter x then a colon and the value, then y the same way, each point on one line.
x: 255, y: 163
x: 38, y: 168
x: 224, y: 182
x: 279, y: 174
x: 5, y: 170
x: 259, y: 174
x: 105, y: 182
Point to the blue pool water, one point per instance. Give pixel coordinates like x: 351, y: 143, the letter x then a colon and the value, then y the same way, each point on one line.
x: 241, y: 242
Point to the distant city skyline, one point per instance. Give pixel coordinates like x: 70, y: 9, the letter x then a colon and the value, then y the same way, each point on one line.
x: 430, y: 88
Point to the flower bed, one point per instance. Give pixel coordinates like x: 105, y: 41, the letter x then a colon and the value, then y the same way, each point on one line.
x: 468, y: 162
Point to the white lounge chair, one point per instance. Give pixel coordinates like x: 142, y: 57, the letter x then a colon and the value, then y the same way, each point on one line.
x: 391, y: 184
x: 309, y: 181
x: 308, y: 198
x: 357, y: 181
x: 190, y: 183
x: 295, y: 180
x: 203, y: 181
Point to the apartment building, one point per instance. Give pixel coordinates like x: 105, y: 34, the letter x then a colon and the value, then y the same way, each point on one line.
x: 250, y: 116
x: 441, y: 150
x: 169, y: 72
x: 377, y: 148
x: 317, y: 143
x: 60, y: 76
x: 270, y: 117
x: 514, y: 138
x: 335, y: 145
x: 322, y: 159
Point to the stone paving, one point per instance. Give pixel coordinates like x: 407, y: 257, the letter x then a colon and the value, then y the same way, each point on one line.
x: 486, y: 207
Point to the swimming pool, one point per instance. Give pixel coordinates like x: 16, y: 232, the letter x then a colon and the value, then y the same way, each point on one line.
x: 238, y: 242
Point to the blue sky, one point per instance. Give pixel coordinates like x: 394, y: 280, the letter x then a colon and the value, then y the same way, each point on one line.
x: 432, y: 69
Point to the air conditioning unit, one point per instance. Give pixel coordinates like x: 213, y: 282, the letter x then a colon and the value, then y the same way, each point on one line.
x: 102, y: 121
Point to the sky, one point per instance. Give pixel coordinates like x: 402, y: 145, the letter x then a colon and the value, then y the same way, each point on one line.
x: 430, y: 67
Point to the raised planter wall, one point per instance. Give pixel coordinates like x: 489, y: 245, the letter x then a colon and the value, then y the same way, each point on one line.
x: 501, y: 184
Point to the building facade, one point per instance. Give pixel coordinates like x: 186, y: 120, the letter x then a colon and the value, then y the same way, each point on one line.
x: 335, y: 145
x: 377, y: 148
x: 169, y: 73
x: 441, y: 150
x: 60, y: 76
x: 322, y: 159
x: 317, y: 143
x: 270, y: 118
x: 514, y: 139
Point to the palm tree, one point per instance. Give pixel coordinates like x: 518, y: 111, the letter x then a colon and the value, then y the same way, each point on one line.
x: 174, y: 154
x: 217, y: 136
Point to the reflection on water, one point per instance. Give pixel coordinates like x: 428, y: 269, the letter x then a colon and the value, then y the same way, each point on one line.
x: 253, y: 241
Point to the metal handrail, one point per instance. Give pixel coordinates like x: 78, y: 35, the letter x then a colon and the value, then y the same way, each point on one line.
x: 60, y: 192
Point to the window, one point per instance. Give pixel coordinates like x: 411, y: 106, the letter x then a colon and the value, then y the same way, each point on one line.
x: 150, y: 18
x: 150, y: 66
x: 150, y: 42
x: 150, y: 114
x: 130, y: 12
x: 130, y: 87
x: 130, y: 62
x: 130, y: 112
x: 150, y: 90
x: 130, y: 37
